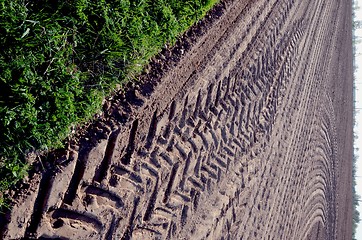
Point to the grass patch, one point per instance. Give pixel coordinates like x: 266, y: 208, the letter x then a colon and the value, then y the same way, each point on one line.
x: 59, y: 59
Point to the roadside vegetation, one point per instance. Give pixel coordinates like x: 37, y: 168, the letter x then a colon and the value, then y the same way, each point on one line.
x: 59, y: 59
x: 355, y: 197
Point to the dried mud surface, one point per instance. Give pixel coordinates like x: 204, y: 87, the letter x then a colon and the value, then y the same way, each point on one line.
x: 243, y: 131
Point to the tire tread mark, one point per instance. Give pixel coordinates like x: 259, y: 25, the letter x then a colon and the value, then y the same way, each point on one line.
x: 197, y: 105
x: 40, y: 201
x: 106, y: 162
x: 195, y: 195
x: 151, y: 204
x: 126, y: 159
x: 182, y: 120
x: 74, y: 215
x: 196, y: 183
x: 171, y: 182
x: 93, y: 190
x: 172, y: 110
x: 128, y: 233
x: 76, y: 178
x: 184, y: 214
x: 152, y: 130
x: 185, y: 170
x: 112, y: 228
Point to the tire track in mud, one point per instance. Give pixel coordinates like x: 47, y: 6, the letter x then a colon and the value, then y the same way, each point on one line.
x: 238, y: 140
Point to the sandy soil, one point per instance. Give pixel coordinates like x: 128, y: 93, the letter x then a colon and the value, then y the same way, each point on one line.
x: 242, y: 131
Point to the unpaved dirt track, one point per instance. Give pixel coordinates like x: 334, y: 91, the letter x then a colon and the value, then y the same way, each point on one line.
x: 248, y: 136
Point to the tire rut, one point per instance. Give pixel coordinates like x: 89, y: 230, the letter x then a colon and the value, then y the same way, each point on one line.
x: 237, y: 138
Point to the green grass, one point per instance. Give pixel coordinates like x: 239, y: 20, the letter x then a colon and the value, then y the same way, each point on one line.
x: 59, y: 59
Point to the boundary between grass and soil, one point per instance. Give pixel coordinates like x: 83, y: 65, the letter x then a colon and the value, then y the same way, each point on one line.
x: 53, y: 79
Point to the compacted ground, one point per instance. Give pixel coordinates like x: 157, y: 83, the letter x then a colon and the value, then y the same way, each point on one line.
x: 243, y: 132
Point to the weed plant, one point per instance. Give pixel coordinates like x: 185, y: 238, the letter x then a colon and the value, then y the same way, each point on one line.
x: 59, y: 59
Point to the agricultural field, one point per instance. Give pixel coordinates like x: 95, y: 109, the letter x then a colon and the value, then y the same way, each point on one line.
x: 241, y: 130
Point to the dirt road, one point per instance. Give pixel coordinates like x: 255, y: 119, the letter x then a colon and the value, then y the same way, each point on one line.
x: 243, y: 132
